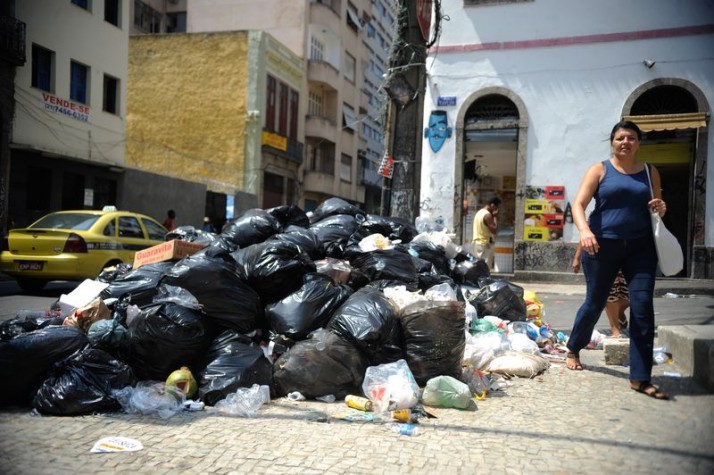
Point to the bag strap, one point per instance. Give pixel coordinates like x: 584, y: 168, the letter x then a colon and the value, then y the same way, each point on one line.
x: 649, y: 180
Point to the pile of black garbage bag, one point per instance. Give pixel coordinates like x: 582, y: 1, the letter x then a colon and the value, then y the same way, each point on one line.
x: 279, y: 298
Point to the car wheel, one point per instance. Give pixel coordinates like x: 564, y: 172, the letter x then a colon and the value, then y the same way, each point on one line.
x: 31, y: 285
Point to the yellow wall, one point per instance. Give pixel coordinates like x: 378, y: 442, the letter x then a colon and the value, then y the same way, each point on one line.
x: 186, y: 107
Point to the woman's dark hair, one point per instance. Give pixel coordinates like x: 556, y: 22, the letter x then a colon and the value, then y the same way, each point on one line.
x: 626, y: 124
x: 171, y: 213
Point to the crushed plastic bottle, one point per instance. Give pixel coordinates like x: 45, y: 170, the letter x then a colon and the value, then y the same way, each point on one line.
x: 660, y: 355
x: 404, y: 429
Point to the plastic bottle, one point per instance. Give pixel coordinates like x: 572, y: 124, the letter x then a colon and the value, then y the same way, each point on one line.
x: 296, y: 396
x: 326, y: 398
x: 405, y: 429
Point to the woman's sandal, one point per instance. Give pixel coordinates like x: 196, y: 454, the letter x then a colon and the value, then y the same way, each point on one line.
x: 575, y: 358
x: 623, y: 322
x: 646, y: 387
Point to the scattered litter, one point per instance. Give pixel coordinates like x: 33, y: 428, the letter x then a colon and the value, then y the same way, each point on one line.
x: 116, y: 444
x: 672, y: 374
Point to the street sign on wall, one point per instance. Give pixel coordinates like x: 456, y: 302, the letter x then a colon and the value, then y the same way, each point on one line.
x: 424, y: 8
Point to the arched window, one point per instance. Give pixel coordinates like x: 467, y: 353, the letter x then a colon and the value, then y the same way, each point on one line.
x: 491, y: 107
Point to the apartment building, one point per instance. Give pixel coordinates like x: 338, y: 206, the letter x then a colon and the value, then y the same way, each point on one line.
x: 219, y: 109
x: 67, y: 143
x: 345, y: 44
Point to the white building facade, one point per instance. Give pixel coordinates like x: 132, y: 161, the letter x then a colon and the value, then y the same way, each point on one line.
x: 531, y: 90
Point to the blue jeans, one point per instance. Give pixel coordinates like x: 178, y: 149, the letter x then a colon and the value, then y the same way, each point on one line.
x: 638, y: 260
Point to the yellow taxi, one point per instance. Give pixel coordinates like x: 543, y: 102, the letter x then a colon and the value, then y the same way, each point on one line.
x: 75, y: 245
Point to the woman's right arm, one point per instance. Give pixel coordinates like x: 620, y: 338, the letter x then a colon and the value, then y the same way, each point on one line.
x: 585, y: 194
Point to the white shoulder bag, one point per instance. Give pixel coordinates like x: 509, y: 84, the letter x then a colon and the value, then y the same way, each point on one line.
x: 669, y: 252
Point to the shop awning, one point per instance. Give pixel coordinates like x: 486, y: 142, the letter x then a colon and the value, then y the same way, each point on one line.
x: 649, y: 123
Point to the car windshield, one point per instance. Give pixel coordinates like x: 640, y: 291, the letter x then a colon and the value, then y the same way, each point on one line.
x: 77, y: 221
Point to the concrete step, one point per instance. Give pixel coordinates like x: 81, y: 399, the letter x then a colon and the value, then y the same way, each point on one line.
x: 691, y: 347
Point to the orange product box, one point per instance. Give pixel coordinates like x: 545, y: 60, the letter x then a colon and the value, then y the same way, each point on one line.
x: 166, y: 251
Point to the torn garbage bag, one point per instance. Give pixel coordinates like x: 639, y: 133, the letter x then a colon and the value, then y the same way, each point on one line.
x: 83, y: 383
x: 225, y: 296
x: 325, y: 363
x: 308, y: 308
x: 434, y: 338
x: 26, y: 358
x: 165, y: 337
x: 233, y: 362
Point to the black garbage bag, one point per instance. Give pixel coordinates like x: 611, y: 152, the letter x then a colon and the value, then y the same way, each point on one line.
x: 323, y: 364
x: 253, y: 226
x: 273, y: 269
x: 138, y: 286
x: 26, y: 322
x: 428, y: 280
x: 26, y: 359
x: 334, y: 233
x: 431, y: 252
x: 192, y: 234
x: 434, y: 338
x: 469, y: 272
x: 217, y: 283
x: 499, y: 298
x: 165, y: 337
x: 233, y: 361
x: 110, y: 274
x: 304, y: 238
x: 290, y: 215
x: 308, y: 308
x: 390, y: 227
x: 333, y: 206
x: 83, y: 383
x: 390, y: 264
x: 369, y: 320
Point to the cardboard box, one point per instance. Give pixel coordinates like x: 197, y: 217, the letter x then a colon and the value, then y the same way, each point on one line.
x: 166, y: 251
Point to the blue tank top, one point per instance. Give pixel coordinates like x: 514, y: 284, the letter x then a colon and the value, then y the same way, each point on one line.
x: 621, y: 210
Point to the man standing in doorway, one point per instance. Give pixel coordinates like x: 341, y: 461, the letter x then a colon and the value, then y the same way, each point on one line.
x: 485, y: 225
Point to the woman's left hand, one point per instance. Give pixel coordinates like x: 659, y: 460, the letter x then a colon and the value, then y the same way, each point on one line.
x: 658, y: 205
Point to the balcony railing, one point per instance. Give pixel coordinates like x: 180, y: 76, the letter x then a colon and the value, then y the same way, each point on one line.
x: 12, y: 40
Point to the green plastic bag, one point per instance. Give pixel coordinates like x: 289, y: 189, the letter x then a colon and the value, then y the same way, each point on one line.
x: 446, y: 391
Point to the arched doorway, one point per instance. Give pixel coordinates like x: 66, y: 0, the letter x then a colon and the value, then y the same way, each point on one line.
x: 489, y: 163
x: 672, y: 115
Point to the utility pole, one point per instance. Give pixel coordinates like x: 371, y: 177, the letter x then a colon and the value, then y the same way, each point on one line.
x: 405, y: 85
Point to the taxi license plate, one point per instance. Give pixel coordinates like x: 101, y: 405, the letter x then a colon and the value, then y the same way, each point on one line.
x: 30, y: 265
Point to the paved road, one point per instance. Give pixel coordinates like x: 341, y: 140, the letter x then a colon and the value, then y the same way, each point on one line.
x: 559, y: 422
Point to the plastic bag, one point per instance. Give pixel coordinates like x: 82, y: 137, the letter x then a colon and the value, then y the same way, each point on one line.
x: 446, y: 391
x: 26, y: 359
x: 391, y: 386
x: 151, y: 398
x: 470, y: 272
x: 389, y: 264
x: 323, y: 364
x: 481, y: 348
x: 305, y: 239
x: 253, y: 226
x: 334, y: 233
x: 430, y: 252
x: 244, y: 402
x: 290, y: 215
x: 434, y: 338
x: 84, y: 317
x: 334, y: 206
x: 107, y: 334
x: 273, y: 269
x: 27, y: 322
x: 308, y: 308
x: 500, y: 298
x: 83, y: 383
x: 233, y: 361
x: 165, y: 337
x: 369, y: 320
x: 339, y: 270
x: 137, y: 286
x: 523, y: 343
x: 216, y: 282
x: 171, y: 293
x: 478, y: 382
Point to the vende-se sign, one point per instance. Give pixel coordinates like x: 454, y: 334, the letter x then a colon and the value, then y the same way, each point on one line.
x: 423, y: 12
x: 66, y: 107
